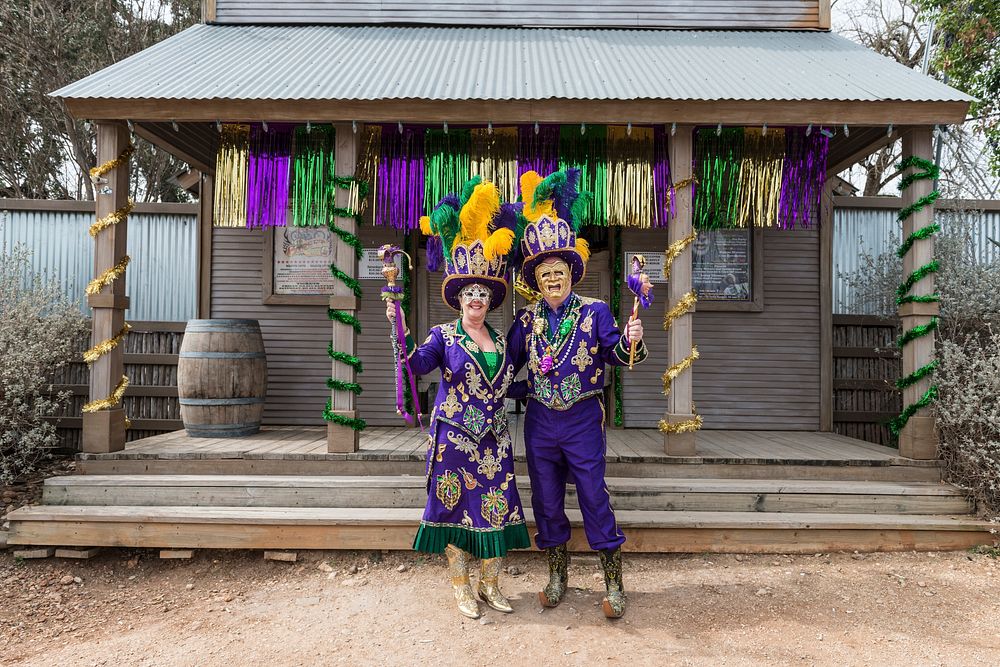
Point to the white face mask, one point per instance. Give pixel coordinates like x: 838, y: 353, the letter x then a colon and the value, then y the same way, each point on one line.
x: 475, y: 292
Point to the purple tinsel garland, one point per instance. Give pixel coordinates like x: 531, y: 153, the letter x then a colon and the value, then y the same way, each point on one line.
x: 663, y: 188
x: 537, y: 152
x: 802, y: 177
x: 400, y: 181
x: 267, y: 176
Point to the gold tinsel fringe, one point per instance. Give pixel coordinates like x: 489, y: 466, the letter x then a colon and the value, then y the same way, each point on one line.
x: 675, y: 249
x: 108, y: 277
x: 112, y: 218
x: 494, y: 157
x: 105, y: 346
x: 686, y: 426
x: 630, y: 194
x: 682, y: 307
x: 760, y: 178
x: 671, y: 374
x: 231, y: 164
x: 111, y: 401
x: 368, y: 163
x: 97, y: 172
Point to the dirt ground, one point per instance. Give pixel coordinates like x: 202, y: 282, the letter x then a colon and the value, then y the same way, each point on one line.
x: 128, y: 607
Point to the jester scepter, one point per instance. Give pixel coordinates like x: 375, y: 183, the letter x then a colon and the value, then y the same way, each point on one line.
x: 393, y: 294
x: 639, y: 285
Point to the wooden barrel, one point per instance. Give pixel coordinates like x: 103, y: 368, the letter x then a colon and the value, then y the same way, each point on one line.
x: 222, y: 378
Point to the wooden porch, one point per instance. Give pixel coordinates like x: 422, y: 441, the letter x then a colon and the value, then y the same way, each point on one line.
x: 745, y: 491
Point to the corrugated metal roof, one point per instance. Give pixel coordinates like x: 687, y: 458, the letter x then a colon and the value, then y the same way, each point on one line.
x: 437, y: 63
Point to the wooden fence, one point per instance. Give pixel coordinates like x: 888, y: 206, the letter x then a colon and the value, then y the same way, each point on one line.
x: 866, y: 364
x: 150, y: 402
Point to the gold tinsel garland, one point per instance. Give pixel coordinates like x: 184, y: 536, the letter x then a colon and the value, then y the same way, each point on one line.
x: 112, y: 218
x: 682, y: 307
x: 97, y: 172
x: 494, y: 157
x: 108, y: 277
x: 111, y: 401
x: 760, y: 178
x: 105, y: 346
x: 231, y: 164
x: 630, y: 195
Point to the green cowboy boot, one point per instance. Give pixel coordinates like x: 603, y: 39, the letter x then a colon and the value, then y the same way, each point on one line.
x: 558, y: 558
x: 614, y: 600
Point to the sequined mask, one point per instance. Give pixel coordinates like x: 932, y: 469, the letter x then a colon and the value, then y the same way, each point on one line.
x: 475, y: 292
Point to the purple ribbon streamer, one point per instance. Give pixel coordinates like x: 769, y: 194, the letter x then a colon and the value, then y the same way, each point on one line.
x: 802, y: 177
x: 663, y: 188
x: 537, y: 152
x: 400, y: 180
x: 267, y: 176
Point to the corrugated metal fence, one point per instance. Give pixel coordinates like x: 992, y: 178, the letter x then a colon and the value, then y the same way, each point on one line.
x: 162, y: 282
x: 868, y: 225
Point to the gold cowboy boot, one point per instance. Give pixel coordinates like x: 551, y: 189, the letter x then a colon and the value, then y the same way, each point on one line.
x: 554, y: 591
x: 458, y: 568
x: 614, y: 600
x: 489, y: 590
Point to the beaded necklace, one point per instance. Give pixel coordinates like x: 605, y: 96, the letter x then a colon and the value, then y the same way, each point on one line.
x: 551, y: 342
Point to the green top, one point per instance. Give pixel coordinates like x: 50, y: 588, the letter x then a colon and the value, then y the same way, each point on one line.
x: 488, y: 361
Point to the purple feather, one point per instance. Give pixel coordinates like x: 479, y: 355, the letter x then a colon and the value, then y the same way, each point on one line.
x: 451, y: 200
x: 507, y: 217
x: 566, y: 193
x: 435, y: 253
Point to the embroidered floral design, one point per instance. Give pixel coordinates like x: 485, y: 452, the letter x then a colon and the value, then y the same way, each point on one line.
x: 543, y: 387
x: 464, y: 445
x: 570, y: 388
x: 581, y: 359
x: 505, y: 385
x: 448, y: 489
x: 475, y: 382
x: 449, y: 332
x: 451, y: 404
x: 494, y: 507
x: 489, y: 466
x: 474, y: 419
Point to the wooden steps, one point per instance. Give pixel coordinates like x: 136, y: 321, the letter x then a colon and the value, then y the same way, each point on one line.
x: 393, y: 528
x: 645, y: 494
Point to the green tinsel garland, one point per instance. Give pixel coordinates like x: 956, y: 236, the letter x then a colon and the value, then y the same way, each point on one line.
x: 342, y: 316
x: 917, y: 375
x: 589, y: 153
x: 929, y: 171
x: 616, y: 304
x: 447, y: 164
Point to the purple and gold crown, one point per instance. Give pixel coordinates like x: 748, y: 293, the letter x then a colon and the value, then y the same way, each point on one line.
x: 467, y: 266
x: 553, y: 209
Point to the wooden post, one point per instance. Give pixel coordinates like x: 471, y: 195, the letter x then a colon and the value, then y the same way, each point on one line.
x: 918, y: 439
x: 825, y: 308
x: 206, y: 200
x: 104, y: 431
x: 679, y: 336
x: 343, y: 438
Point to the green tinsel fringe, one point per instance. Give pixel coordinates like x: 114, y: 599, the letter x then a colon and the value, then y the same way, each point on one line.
x: 312, y: 172
x: 918, y: 298
x: 915, y: 277
x: 917, y: 332
x: 918, y: 235
x: 717, y: 198
x: 897, y: 424
x: 330, y: 416
x: 447, y: 164
x: 917, y: 375
x: 926, y: 200
x: 930, y: 170
x: 343, y: 357
x: 589, y: 153
x: 344, y: 318
x: 343, y: 385
x: 480, y: 543
x: 352, y: 283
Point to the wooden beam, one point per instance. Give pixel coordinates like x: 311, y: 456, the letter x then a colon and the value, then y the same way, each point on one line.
x: 104, y: 431
x: 918, y: 439
x: 178, y: 152
x: 738, y: 112
x: 343, y: 438
x: 83, y: 206
x: 861, y: 153
x: 680, y: 399
x: 896, y: 202
x: 824, y: 15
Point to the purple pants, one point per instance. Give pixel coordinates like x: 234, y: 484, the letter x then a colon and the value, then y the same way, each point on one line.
x: 569, y: 445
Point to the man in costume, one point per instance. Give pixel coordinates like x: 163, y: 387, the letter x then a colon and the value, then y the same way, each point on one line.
x: 566, y: 340
x: 473, y: 508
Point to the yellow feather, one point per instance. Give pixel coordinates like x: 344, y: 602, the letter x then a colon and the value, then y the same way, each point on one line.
x: 499, y: 243
x: 583, y: 248
x: 477, y: 213
x: 529, y: 182
x: 425, y: 225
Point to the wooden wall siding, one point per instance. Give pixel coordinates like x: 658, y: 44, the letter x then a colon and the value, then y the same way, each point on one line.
x: 757, y: 370
x: 866, y: 364
x: 295, y: 337
x: 787, y: 14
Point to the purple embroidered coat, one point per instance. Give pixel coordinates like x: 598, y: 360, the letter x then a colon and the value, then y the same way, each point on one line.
x: 472, y: 500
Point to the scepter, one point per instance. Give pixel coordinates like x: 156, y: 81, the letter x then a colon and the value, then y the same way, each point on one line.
x: 639, y: 285
x: 397, y: 334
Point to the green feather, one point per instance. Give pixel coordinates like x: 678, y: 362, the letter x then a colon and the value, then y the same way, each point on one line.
x: 581, y: 209
x: 445, y: 223
x: 468, y: 188
x: 546, y: 189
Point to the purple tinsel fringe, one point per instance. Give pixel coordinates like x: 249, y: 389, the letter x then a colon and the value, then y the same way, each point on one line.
x: 663, y: 188
x: 267, y: 176
x: 803, y: 176
x: 537, y: 152
x: 399, y: 189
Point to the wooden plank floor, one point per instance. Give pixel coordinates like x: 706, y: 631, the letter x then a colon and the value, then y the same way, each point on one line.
x: 381, y: 443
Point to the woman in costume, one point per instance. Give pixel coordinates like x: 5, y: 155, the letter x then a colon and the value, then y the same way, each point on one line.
x: 473, y: 508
